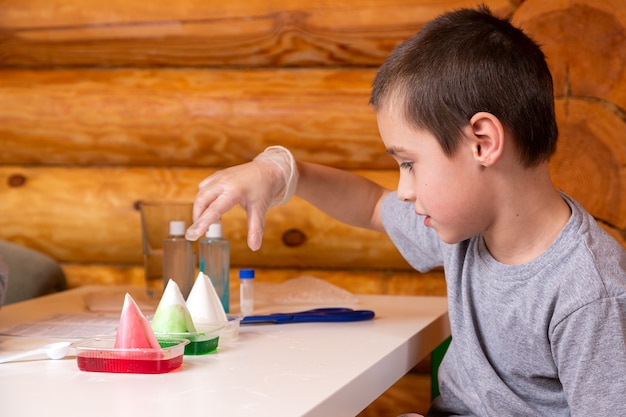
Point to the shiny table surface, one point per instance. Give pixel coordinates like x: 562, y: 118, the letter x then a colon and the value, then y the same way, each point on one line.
x: 291, y: 370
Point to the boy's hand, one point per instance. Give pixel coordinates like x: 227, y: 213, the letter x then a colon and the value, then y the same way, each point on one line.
x: 269, y: 180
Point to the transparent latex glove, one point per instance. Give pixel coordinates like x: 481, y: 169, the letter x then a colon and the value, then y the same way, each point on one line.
x: 269, y: 180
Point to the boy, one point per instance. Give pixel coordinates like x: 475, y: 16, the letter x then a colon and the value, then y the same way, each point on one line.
x: 537, y: 291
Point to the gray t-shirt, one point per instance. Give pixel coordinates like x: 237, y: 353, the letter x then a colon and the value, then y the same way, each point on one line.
x: 545, y: 338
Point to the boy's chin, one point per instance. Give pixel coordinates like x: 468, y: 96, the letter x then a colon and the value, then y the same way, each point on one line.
x: 451, y: 238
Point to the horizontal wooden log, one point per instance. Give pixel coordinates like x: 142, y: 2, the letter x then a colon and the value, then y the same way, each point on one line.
x: 357, y: 281
x: 89, y: 215
x: 186, y: 33
x: 79, y: 215
x: 222, y: 118
x: 187, y: 118
x: 585, y: 44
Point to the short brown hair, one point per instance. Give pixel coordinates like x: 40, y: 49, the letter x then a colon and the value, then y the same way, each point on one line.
x: 469, y: 61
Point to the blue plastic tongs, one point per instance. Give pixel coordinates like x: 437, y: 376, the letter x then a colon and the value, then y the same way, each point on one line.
x: 337, y: 314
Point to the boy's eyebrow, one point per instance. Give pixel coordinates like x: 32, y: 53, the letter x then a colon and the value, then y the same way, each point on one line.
x: 394, y: 150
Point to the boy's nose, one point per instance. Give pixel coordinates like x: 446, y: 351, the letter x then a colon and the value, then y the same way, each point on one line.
x: 405, y: 189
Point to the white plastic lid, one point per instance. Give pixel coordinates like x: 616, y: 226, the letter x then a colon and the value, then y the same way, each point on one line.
x: 214, y: 231
x: 177, y: 228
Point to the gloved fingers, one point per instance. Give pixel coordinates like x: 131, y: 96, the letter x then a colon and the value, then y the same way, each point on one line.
x: 208, y: 209
x: 269, y: 180
x: 256, y: 225
x: 205, y: 197
x: 235, y: 183
x: 246, y: 184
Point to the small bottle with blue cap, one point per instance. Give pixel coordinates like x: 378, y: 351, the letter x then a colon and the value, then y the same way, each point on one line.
x: 246, y: 288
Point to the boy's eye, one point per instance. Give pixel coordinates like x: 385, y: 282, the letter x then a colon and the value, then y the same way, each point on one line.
x: 407, y: 165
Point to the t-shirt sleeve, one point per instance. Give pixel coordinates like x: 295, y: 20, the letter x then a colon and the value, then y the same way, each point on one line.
x: 589, y: 347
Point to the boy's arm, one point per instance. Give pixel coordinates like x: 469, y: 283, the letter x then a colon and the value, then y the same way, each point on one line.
x: 590, y: 352
x: 345, y: 196
x: 270, y: 179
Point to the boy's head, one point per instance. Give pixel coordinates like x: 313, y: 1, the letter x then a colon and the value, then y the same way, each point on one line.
x: 468, y: 61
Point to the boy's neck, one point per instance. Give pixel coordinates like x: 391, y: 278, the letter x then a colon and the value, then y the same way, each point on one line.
x: 531, y: 215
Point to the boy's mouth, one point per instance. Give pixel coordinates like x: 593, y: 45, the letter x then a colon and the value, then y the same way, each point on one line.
x: 427, y: 219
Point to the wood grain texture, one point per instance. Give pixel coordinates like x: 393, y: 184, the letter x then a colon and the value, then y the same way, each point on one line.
x: 85, y: 215
x: 103, y: 104
x: 88, y: 215
x: 590, y: 163
x: 355, y: 280
x: 222, y: 118
x: 188, y: 33
x: 585, y: 44
x: 187, y: 118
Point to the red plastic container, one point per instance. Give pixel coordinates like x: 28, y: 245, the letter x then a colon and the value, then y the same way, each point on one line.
x: 99, y: 355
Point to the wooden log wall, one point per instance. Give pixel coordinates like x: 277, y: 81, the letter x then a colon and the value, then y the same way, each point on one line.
x: 105, y: 104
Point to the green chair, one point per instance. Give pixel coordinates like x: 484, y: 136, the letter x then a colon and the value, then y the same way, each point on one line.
x: 435, y: 360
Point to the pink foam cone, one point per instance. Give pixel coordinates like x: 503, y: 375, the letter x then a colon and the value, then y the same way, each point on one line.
x: 134, y: 330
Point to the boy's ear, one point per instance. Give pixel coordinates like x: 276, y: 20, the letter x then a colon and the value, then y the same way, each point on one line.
x: 487, y: 139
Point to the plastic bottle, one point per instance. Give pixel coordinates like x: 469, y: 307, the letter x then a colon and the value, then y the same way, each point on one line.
x: 178, y: 258
x: 214, y: 254
x: 246, y: 288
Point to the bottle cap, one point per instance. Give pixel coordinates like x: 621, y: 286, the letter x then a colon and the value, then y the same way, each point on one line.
x: 214, y: 231
x: 177, y: 228
x: 246, y: 273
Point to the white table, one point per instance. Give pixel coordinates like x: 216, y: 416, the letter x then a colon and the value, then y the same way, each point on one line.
x: 290, y: 370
